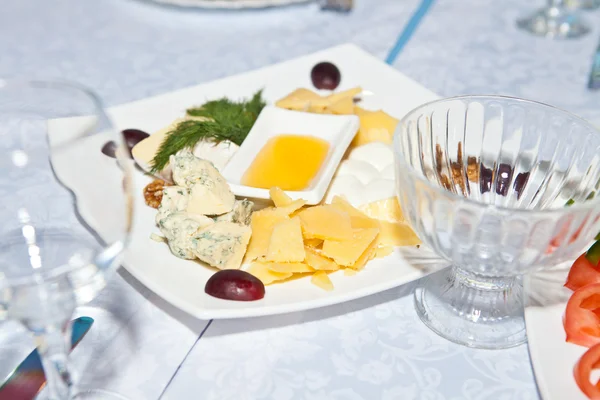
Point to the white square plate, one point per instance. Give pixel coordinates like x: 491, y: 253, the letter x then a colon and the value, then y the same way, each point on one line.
x: 181, y: 282
x: 337, y: 130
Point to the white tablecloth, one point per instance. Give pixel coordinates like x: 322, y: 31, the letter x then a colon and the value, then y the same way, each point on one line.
x: 373, y: 348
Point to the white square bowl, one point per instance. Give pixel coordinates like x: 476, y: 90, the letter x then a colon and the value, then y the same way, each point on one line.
x: 337, y: 130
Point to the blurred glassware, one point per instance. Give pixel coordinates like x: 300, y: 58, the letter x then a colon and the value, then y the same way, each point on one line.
x: 594, y: 79
x: 556, y: 20
x: 51, y: 263
x: 583, y: 4
x: 484, y: 181
x: 337, y: 5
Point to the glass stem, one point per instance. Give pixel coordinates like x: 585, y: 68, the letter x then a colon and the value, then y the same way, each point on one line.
x: 53, y: 346
x: 476, y: 281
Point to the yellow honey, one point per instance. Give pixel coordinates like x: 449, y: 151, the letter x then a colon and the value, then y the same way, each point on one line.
x: 289, y: 162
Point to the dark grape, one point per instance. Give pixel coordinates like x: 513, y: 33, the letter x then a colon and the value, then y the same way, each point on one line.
x: 133, y: 137
x: 231, y: 284
x: 109, y: 149
x: 325, y: 75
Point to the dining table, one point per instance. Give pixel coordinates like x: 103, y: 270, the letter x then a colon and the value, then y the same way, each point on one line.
x: 372, y: 348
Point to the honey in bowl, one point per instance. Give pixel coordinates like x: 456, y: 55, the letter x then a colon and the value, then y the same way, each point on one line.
x: 289, y: 162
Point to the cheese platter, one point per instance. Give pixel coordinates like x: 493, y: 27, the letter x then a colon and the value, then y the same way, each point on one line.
x: 317, y: 226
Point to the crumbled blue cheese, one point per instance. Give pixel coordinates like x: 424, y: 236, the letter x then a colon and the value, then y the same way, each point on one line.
x: 209, y: 192
x: 180, y: 230
x: 220, y: 240
x: 241, y: 213
x: 222, y: 244
x: 175, y: 199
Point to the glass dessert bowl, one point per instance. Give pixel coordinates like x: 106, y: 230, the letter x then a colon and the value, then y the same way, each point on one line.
x: 485, y: 182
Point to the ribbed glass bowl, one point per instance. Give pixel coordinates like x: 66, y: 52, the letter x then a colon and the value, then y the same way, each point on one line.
x: 484, y: 181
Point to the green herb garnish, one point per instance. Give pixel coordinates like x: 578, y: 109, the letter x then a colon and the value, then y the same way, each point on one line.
x: 226, y: 120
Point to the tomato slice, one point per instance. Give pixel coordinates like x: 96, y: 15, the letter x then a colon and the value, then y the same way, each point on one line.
x: 582, y: 273
x: 583, y: 370
x: 582, y: 316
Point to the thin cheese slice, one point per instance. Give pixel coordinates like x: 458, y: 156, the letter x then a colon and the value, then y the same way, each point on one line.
x: 346, y: 94
x: 367, y: 255
x: 397, y: 234
x: 294, y: 206
x: 262, y: 224
x: 314, y: 243
x: 279, y: 197
x: 357, y: 218
x: 267, y: 276
x: 344, y: 106
x: 347, y: 252
x: 318, y: 262
x: 293, y: 267
x: 375, y: 126
x: 383, y: 251
x: 386, y: 209
x: 321, y: 280
x: 301, y: 99
x: 350, y: 272
x: 286, y: 244
x: 325, y: 222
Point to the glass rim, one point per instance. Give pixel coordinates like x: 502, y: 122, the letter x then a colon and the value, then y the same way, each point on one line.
x: 577, y: 206
x: 52, y: 84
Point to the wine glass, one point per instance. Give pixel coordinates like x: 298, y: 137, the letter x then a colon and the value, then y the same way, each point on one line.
x: 556, y: 20
x: 56, y: 252
x: 484, y: 181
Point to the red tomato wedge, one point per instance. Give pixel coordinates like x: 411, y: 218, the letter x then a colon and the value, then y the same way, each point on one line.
x: 583, y: 370
x: 582, y: 273
x: 582, y: 317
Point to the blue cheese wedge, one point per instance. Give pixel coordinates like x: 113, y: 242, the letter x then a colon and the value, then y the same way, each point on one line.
x: 209, y: 192
x: 180, y: 230
x: 222, y: 244
x: 175, y: 199
x: 241, y: 213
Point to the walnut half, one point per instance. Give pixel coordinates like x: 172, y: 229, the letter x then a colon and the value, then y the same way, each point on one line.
x: 153, y: 192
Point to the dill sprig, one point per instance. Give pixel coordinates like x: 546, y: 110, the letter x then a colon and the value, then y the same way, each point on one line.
x: 225, y: 120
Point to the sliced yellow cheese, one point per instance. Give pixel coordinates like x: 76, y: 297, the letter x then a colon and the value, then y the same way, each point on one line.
x: 314, y: 243
x: 375, y: 126
x: 321, y: 280
x: 318, y: 262
x: 262, y: 224
x: 344, y: 106
x: 386, y: 209
x: 346, y: 94
x: 357, y: 218
x: 293, y: 267
x: 325, y: 222
x: 267, y: 276
x: 347, y: 252
x: 286, y: 244
x: 301, y: 99
x: 360, y: 111
x: 367, y: 255
x: 383, y: 251
x: 397, y: 234
x: 350, y: 272
x: 279, y: 197
x: 294, y: 206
